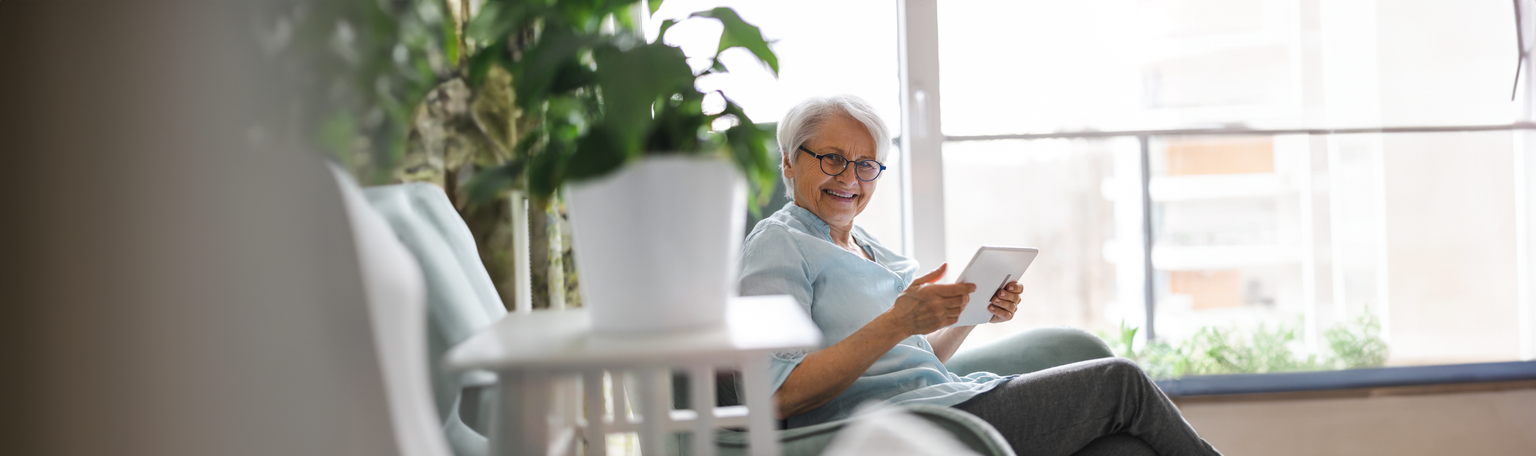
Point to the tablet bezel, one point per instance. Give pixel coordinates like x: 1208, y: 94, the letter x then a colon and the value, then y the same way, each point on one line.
x: 966, y: 273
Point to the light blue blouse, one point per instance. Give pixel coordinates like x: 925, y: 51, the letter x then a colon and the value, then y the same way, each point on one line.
x: 791, y: 252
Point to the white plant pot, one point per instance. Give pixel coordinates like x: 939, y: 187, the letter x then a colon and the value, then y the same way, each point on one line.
x: 657, y: 243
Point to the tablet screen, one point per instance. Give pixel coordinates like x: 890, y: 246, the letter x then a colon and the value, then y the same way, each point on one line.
x: 990, y: 269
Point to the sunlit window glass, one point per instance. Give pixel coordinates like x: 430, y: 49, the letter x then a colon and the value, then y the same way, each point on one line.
x: 824, y: 48
x: 1283, y: 252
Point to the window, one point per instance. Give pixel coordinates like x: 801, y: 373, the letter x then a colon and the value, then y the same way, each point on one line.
x: 1242, y: 138
x: 824, y: 48
x: 1037, y: 66
x: 1289, y: 241
x: 1045, y: 193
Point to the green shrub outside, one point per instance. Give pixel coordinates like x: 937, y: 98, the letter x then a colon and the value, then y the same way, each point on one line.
x: 1229, y: 350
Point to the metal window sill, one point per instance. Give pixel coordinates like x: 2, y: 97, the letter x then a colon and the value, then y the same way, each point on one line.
x: 1350, y: 379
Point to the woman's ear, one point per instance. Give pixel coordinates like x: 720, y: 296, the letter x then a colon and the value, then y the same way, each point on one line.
x: 786, y: 168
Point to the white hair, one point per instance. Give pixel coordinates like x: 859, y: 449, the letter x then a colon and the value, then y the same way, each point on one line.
x: 804, y: 122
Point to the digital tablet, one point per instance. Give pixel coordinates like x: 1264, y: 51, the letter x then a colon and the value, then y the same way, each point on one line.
x: 990, y: 269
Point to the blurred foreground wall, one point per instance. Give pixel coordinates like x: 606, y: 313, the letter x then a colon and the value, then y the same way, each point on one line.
x: 174, y: 279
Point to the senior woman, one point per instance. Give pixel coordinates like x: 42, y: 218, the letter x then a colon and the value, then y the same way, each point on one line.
x: 885, y: 326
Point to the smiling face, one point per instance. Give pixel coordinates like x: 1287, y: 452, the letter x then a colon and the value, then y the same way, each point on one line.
x: 836, y: 199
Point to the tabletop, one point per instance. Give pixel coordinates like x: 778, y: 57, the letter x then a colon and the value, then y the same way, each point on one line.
x: 563, y: 340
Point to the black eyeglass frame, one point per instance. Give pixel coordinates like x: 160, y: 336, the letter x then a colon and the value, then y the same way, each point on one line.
x: 846, y: 162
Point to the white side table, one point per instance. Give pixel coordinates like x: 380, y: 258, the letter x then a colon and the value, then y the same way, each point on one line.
x: 540, y: 356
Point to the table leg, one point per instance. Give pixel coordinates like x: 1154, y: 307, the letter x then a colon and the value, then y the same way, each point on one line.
x: 564, y: 414
x: 620, y: 395
x: 701, y: 390
x: 597, y: 427
x: 762, y: 415
x: 655, y: 408
x: 521, y: 424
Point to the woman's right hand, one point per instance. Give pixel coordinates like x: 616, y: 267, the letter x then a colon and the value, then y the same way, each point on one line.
x: 925, y: 307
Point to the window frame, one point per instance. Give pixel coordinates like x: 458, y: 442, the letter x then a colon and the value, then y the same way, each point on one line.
x: 923, y: 233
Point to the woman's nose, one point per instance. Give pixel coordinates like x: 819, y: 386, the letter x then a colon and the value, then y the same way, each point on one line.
x: 848, y: 175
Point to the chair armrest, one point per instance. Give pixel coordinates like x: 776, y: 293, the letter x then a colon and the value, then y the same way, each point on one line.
x: 1031, y: 351
x: 970, y: 430
x: 472, y: 386
x: 477, y: 379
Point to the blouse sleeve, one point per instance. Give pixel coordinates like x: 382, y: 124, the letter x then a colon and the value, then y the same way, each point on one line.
x: 772, y: 264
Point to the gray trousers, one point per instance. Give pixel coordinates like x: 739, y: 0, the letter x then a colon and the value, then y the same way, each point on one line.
x: 1100, y: 407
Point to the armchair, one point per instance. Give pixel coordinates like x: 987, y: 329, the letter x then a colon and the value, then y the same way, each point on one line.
x: 461, y: 300
x: 1030, y: 351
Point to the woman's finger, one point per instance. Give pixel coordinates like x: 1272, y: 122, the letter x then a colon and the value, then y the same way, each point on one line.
x: 1011, y: 307
x: 953, y: 289
x: 930, y: 277
x: 1000, y: 314
x: 1007, y: 295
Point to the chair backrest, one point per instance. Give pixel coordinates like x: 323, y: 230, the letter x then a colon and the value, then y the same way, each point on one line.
x: 461, y: 298
x: 393, y: 286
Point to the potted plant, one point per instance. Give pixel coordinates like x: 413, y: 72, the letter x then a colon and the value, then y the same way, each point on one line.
x: 497, y: 100
x: 656, y: 183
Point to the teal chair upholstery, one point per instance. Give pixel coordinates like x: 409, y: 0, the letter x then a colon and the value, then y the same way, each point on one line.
x: 395, y: 291
x: 1029, y: 351
x: 812, y: 440
x: 1041, y: 349
x: 461, y: 300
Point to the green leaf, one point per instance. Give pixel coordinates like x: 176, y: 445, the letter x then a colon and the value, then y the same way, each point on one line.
x: 677, y: 125
x: 566, y: 118
x: 541, y: 66
x: 626, y: 23
x: 749, y: 148
x: 571, y: 76
x: 546, y: 171
x: 632, y: 81
x: 498, y: 20
x: 481, y: 62
x: 587, y: 16
x: 666, y: 24
x: 451, y: 41
x: 716, y: 66
x: 739, y: 33
x: 655, y: 5
x: 489, y: 184
x: 596, y: 155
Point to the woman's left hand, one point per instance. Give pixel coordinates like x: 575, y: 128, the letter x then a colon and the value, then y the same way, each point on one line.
x: 1005, y: 302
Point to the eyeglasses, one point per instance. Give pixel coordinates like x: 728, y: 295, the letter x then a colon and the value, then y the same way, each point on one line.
x: 834, y: 164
